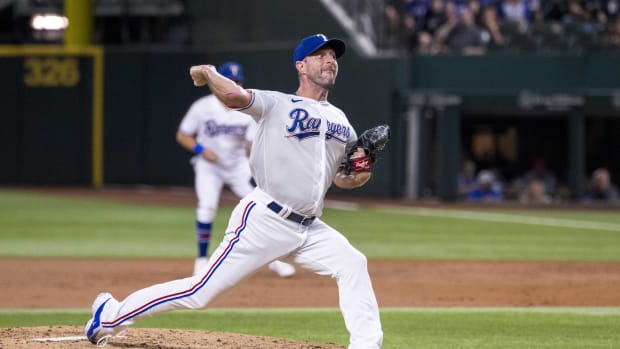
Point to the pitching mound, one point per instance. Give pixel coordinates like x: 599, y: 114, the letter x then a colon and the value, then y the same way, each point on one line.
x: 68, y: 337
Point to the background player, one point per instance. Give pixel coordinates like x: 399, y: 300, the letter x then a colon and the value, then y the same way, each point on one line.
x: 221, y: 138
x: 298, y: 150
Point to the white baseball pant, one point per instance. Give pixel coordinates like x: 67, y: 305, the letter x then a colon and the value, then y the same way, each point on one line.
x: 255, y: 236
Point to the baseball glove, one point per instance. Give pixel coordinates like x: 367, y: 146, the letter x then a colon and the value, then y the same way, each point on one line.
x: 372, y: 141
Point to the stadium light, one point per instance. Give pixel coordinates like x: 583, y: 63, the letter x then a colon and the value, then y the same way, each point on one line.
x: 49, y: 21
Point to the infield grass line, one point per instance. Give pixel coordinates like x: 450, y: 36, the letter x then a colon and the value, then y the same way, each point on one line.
x: 501, y: 218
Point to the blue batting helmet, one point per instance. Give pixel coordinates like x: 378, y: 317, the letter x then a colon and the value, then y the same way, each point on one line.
x: 232, y: 70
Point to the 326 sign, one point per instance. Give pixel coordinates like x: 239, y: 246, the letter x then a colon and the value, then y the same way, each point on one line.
x: 51, y: 72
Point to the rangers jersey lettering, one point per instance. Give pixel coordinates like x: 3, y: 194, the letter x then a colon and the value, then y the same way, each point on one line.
x: 220, y: 129
x: 316, y: 134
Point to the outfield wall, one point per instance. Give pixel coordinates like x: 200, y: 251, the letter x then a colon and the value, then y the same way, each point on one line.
x: 50, y: 128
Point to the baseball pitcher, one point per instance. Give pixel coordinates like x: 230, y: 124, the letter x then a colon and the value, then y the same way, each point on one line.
x: 303, y: 145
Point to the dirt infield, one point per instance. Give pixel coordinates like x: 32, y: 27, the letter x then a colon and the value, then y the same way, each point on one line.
x: 70, y: 283
x: 73, y: 283
x: 46, y: 337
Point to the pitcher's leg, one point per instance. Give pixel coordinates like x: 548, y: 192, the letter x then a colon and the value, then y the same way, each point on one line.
x: 226, y: 268
x: 252, y: 240
x: 358, y: 303
x: 328, y: 252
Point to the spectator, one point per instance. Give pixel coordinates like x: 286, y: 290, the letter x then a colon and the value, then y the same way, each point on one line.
x: 451, y: 20
x: 521, y: 12
x: 400, y: 25
x: 474, y: 26
x: 461, y: 34
x: 586, y: 11
x: 417, y: 9
x: 554, y: 10
x: 486, y: 17
x: 486, y: 189
x: 535, y: 193
x: 467, y: 178
x: 601, y: 189
x: 612, y: 8
x: 613, y: 34
x: 434, y: 18
x: 413, y: 14
x: 539, y: 172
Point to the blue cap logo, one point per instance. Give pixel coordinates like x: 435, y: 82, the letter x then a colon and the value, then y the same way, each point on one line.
x: 312, y: 43
x: 232, y: 70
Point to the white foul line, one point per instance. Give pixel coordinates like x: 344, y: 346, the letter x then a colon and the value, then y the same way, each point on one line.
x: 60, y: 339
x: 503, y: 218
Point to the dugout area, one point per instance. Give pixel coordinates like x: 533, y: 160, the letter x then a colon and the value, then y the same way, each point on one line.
x: 511, y: 141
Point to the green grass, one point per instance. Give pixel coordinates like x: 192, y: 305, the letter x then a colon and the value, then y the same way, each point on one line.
x: 402, y: 233
x: 423, y: 328
x: 46, y: 226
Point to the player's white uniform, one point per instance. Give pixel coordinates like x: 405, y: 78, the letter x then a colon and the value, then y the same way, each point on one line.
x: 227, y: 133
x: 298, y: 148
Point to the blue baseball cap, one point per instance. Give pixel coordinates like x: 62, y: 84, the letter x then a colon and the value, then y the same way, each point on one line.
x: 232, y: 70
x: 312, y: 43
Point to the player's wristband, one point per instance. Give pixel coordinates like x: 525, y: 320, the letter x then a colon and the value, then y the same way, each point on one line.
x: 198, y: 148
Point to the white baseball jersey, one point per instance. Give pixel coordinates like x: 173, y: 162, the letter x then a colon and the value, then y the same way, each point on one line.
x: 224, y: 131
x: 315, y: 133
x: 227, y: 133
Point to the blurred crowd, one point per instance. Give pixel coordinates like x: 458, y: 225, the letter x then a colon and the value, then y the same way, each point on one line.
x: 478, y: 26
x: 536, y: 186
